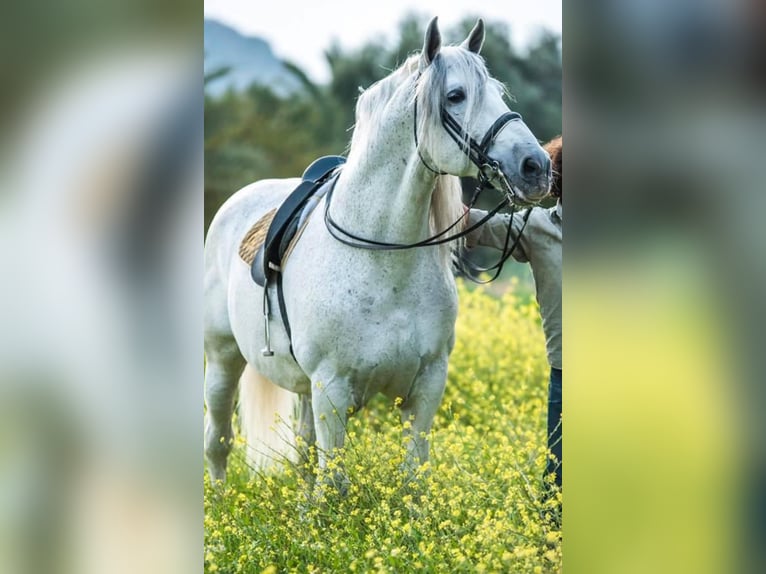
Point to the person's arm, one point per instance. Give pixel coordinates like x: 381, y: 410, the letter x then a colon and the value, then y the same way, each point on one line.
x: 493, y: 232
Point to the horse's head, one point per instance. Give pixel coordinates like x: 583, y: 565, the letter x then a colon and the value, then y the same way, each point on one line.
x: 467, y: 129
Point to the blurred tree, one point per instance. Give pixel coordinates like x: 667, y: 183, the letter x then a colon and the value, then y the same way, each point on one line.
x: 217, y: 73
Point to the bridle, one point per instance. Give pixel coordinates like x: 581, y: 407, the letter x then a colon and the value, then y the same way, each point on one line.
x: 489, y: 175
x: 489, y: 169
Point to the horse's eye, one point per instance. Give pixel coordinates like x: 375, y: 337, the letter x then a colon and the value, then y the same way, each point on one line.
x: 456, y: 96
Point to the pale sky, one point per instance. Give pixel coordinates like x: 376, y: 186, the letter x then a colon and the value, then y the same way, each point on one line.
x: 300, y: 30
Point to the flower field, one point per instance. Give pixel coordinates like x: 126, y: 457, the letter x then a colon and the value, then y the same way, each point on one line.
x: 479, y: 506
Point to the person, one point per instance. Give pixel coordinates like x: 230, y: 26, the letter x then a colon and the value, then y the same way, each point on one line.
x: 540, y: 246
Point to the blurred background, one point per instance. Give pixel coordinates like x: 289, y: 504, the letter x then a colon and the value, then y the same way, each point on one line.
x: 101, y: 109
x: 664, y: 283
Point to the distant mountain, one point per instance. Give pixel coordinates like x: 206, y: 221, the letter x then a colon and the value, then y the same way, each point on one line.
x: 249, y: 59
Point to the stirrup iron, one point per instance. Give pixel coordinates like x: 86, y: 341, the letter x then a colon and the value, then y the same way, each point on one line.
x: 266, y: 351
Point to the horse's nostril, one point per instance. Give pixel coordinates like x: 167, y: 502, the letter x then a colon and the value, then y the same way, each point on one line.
x: 531, y: 167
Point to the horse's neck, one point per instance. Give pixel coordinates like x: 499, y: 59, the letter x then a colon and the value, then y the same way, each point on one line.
x: 385, y: 194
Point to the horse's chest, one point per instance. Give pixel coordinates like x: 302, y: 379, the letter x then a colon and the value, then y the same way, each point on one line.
x: 408, y: 315
x: 382, y: 349
x: 381, y: 333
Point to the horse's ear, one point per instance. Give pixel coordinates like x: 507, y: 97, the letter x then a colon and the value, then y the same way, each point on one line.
x: 475, y: 39
x: 432, y: 43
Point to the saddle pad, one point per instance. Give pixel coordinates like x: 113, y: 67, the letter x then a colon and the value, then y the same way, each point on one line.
x: 255, y: 237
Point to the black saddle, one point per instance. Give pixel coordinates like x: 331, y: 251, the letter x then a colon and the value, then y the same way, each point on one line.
x: 283, y: 227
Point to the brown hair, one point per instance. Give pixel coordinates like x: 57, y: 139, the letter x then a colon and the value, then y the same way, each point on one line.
x: 553, y: 148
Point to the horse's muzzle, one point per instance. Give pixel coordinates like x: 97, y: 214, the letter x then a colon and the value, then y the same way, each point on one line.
x: 531, y: 179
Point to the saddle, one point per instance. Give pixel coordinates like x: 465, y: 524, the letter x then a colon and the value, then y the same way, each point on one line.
x: 289, y: 218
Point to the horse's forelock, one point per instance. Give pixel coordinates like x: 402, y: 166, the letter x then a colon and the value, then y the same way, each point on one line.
x: 431, y: 88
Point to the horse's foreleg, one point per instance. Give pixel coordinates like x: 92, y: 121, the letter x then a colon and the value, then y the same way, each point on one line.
x: 418, y: 412
x: 331, y: 402
x: 222, y: 371
x: 305, y: 436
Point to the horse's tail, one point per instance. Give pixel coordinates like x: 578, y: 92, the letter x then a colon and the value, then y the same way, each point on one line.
x: 267, y: 412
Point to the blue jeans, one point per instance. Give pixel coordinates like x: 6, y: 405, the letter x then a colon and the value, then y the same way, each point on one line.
x: 555, y: 428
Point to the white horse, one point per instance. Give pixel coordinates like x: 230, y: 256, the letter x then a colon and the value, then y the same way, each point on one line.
x: 363, y: 321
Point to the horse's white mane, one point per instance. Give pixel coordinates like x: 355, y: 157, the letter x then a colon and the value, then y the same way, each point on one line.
x: 430, y: 84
